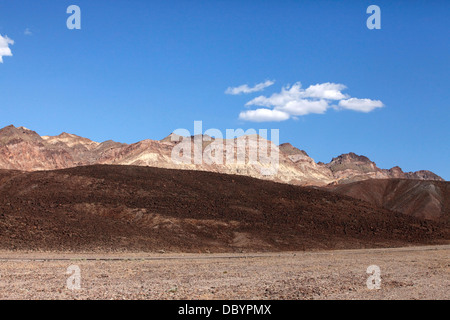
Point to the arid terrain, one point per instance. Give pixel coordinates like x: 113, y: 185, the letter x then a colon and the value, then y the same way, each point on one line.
x: 126, y: 208
x: 140, y: 227
x: 419, y: 198
x: 406, y: 273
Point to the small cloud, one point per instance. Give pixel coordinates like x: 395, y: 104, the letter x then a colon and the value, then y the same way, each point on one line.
x: 294, y: 101
x: 28, y: 32
x: 246, y: 89
x: 5, y: 51
x: 264, y: 115
x: 361, y: 105
x: 295, y: 93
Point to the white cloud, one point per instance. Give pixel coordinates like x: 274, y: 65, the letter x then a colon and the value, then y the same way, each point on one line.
x: 246, y: 89
x: 263, y: 115
x: 295, y: 101
x: 303, y: 107
x: 362, y: 105
x: 295, y: 93
x: 5, y: 51
x: 278, y: 99
x: 28, y: 32
x: 331, y: 91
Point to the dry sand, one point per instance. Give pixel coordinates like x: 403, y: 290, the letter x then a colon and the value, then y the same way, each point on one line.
x: 406, y: 273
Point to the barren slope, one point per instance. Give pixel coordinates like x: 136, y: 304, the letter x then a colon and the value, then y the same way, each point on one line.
x: 112, y: 208
x: 422, y: 199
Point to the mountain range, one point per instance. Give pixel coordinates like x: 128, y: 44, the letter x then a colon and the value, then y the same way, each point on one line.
x: 25, y: 150
x: 67, y: 192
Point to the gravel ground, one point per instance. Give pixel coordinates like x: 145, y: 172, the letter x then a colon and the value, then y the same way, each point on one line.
x: 406, y: 273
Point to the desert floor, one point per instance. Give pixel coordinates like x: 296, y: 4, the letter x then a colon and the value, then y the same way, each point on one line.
x: 406, y: 273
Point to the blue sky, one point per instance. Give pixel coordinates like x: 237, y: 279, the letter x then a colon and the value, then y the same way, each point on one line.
x: 141, y: 69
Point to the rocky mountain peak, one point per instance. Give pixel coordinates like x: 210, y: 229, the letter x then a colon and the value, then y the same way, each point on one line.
x: 427, y: 175
x: 70, y: 140
x: 353, y: 162
x: 12, y: 135
x: 350, y: 157
x: 289, y: 149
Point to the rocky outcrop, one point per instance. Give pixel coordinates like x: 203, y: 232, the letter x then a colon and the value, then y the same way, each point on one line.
x: 350, y: 167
